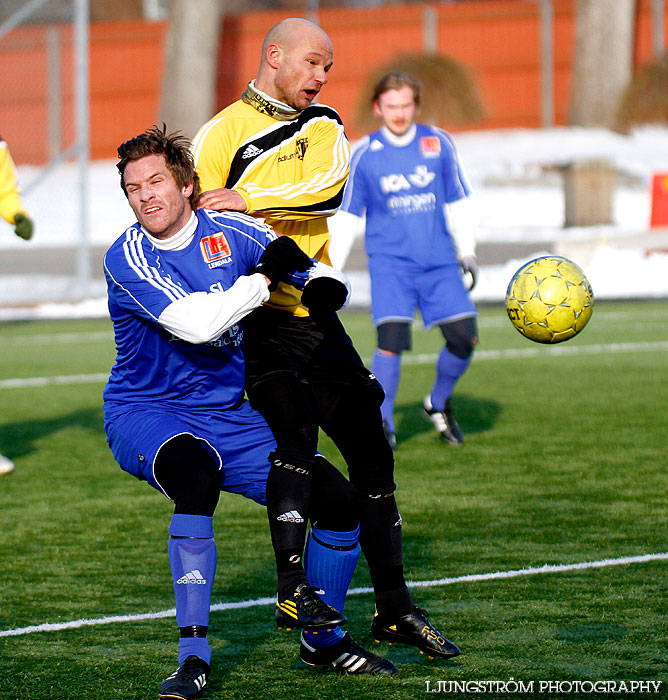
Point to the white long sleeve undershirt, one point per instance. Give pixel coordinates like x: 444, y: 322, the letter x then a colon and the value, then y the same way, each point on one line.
x: 344, y: 228
x: 460, y: 216
x: 202, y: 317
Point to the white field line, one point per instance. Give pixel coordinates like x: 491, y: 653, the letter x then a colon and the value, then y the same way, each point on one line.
x: 640, y: 318
x: 26, y: 382
x: 418, y: 359
x: 546, y: 569
x: 76, y: 337
x: 550, y: 350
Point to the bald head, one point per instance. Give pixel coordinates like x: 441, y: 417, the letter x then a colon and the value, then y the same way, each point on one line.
x: 289, y: 32
x: 296, y: 56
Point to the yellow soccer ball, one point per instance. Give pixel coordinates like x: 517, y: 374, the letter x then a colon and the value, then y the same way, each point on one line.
x: 549, y: 299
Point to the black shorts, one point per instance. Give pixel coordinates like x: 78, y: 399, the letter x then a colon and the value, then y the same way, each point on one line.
x: 304, y: 373
x: 318, y: 352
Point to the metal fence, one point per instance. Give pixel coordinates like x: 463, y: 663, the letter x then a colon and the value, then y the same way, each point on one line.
x: 57, y: 117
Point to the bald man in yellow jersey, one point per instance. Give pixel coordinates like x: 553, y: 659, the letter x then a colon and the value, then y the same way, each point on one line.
x: 14, y: 213
x: 280, y: 156
x: 275, y: 160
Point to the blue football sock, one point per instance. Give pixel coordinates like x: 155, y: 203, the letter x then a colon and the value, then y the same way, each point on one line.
x: 449, y: 368
x: 192, y: 557
x: 387, y: 369
x: 331, y: 558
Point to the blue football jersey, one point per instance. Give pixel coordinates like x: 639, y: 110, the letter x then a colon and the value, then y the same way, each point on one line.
x: 402, y: 190
x: 151, y: 363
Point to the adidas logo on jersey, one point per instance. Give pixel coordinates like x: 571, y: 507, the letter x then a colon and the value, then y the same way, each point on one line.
x: 251, y: 151
x: 292, y: 516
x: 193, y: 576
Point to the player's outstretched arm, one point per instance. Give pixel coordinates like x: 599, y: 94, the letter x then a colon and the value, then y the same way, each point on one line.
x: 167, y: 300
x: 201, y: 317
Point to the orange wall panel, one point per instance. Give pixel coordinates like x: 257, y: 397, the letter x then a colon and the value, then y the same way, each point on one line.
x: 643, y: 47
x: 126, y: 65
x: 498, y: 40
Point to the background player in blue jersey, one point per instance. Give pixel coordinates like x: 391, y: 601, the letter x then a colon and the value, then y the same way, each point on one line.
x: 179, y: 283
x: 408, y: 181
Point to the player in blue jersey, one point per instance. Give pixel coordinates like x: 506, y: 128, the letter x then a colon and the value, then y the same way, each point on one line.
x: 408, y: 181
x: 180, y: 281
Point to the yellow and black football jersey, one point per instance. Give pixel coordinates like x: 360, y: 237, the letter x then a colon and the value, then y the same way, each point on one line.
x: 290, y: 172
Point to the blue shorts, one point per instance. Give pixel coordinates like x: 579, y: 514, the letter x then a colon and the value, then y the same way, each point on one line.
x: 398, y: 288
x: 239, y: 440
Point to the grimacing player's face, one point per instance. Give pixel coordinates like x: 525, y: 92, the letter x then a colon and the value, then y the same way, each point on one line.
x: 160, y: 205
x: 397, y: 109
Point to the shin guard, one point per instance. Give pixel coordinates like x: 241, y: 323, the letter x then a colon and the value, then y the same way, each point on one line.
x: 192, y: 558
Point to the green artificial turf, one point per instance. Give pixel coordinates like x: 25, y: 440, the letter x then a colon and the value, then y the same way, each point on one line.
x: 564, y: 464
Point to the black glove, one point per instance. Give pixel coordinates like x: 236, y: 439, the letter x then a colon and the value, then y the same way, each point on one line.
x: 324, y: 296
x: 280, y: 258
x: 326, y: 291
x: 470, y: 267
x: 23, y: 226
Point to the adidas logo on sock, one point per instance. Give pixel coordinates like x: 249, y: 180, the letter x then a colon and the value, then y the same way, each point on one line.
x: 193, y: 576
x: 251, y: 151
x: 292, y: 516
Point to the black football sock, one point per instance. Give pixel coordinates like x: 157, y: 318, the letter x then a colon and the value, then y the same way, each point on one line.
x: 394, y: 603
x: 288, y: 501
x: 380, y: 539
x: 287, y: 582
